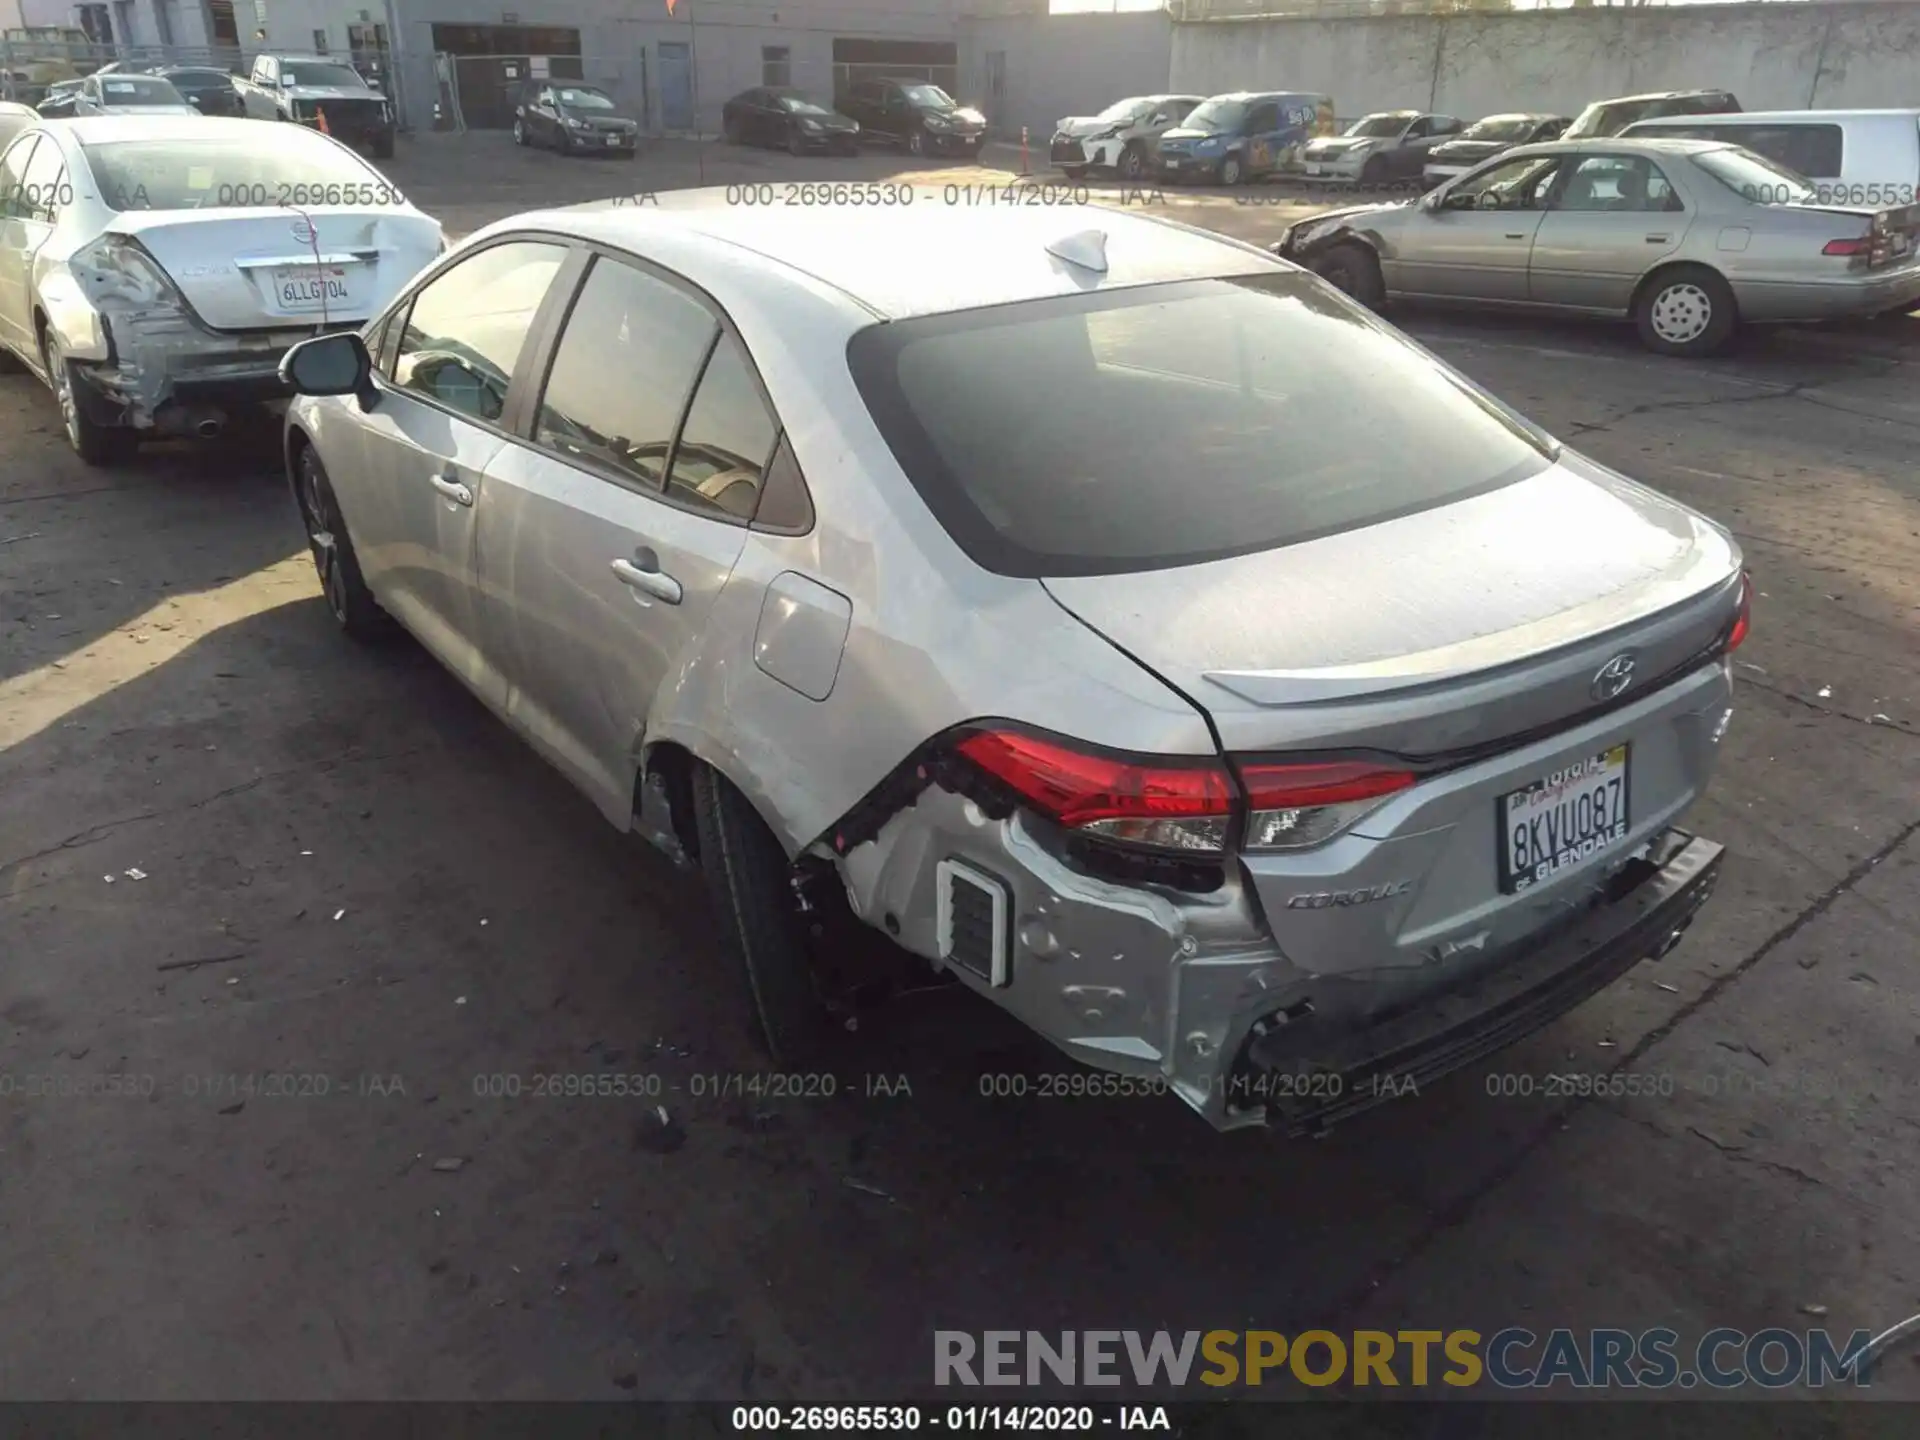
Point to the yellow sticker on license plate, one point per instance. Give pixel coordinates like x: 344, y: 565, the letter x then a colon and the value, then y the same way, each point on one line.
x: 1563, y: 818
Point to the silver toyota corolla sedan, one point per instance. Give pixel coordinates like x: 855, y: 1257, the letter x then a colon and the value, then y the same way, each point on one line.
x: 1057, y: 591
x: 1688, y: 238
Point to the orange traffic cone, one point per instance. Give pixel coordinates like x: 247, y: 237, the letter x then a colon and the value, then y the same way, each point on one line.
x: 321, y: 115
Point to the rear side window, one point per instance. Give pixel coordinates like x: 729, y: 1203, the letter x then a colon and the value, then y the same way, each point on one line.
x: 467, y: 325
x: 1173, y: 424
x: 621, y: 375
x: 729, y: 434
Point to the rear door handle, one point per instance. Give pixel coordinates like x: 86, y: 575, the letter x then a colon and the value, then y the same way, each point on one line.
x: 1516, y: 234
x: 453, y: 489
x: 643, y: 573
x: 1658, y: 239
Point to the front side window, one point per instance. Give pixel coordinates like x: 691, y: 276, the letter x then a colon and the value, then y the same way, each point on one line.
x: 235, y: 171
x: 1238, y: 415
x: 1616, y: 184
x: 1264, y: 119
x: 1379, y: 127
x: 1514, y: 185
x: 723, y: 449
x: 622, y: 372
x: 467, y: 325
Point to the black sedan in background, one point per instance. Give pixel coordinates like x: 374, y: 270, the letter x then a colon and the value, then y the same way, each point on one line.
x: 919, y: 117
x: 575, y: 119
x: 792, y: 119
x: 208, y: 90
x: 1485, y: 139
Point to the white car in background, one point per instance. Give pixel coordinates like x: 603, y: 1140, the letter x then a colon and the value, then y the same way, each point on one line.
x: 130, y: 95
x: 153, y: 270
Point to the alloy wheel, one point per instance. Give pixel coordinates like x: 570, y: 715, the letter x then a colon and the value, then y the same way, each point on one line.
x: 62, y: 380
x: 317, y: 513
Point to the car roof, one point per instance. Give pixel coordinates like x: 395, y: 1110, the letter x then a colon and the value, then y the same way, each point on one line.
x: 1776, y: 117
x: 1659, y: 95
x: 1376, y: 114
x: 1260, y: 94
x: 911, y: 260
x: 1619, y: 144
x: 1522, y: 115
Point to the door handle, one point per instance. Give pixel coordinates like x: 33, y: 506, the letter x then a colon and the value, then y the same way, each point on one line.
x: 453, y: 489
x: 1658, y: 239
x: 643, y: 573
x: 1516, y: 234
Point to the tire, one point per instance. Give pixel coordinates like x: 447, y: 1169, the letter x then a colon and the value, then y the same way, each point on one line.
x: 796, y: 146
x: 94, y: 443
x: 1232, y: 172
x: 1074, y: 173
x: 916, y: 141
x: 1373, y: 174
x: 519, y: 134
x: 1687, y: 311
x: 1133, y: 162
x: 730, y: 131
x: 750, y: 881
x: 1352, y: 269
x: 350, y: 602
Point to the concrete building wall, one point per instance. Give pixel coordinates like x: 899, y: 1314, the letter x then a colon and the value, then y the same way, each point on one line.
x: 1772, y: 56
x: 1060, y: 65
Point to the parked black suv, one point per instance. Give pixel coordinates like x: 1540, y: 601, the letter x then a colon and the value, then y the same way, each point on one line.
x: 916, y: 115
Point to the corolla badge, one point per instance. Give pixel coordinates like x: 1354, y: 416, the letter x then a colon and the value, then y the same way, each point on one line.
x: 1613, y: 678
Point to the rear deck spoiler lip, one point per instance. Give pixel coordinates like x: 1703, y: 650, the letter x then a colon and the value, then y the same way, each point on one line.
x: 1476, y: 660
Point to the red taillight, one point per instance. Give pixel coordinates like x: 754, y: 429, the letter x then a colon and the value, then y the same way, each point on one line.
x: 1294, y: 806
x: 1743, y: 618
x: 1862, y: 245
x: 1170, y: 803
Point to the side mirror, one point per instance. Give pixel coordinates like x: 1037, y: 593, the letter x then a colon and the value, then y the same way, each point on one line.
x: 336, y: 364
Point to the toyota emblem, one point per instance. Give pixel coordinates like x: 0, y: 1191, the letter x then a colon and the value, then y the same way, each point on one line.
x: 303, y: 232
x: 1613, y: 678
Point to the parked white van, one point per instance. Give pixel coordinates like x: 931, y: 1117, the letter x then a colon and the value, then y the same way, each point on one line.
x: 1853, y: 157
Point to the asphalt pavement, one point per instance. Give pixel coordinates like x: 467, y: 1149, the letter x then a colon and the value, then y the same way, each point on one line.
x: 331, y: 923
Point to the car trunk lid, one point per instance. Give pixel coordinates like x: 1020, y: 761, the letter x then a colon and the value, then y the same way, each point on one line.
x: 252, y: 269
x: 1475, y: 648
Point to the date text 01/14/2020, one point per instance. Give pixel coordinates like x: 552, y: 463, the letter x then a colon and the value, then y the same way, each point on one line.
x: 1058, y: 1419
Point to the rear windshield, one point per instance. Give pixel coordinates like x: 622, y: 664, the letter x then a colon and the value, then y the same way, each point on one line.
x: 1754, y: 177
x: 139, y: 91
x: 285, y: 163
x: 1173, y: 424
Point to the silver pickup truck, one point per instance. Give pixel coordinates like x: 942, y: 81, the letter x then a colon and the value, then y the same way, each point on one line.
x: 325, y: 94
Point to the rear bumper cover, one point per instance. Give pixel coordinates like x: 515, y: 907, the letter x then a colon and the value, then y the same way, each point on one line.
x: 1350, y: 1054
x: 165, y: 371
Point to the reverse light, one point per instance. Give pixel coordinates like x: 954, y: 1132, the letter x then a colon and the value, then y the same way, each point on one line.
x: 1170, y: 803
x: 1295, y: 807
x: 119, y: 268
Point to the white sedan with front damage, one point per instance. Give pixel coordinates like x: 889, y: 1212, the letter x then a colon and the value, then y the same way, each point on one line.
x: 154, y: 270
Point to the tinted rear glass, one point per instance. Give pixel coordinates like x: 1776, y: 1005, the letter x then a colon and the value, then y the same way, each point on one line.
x: 1172, y: 424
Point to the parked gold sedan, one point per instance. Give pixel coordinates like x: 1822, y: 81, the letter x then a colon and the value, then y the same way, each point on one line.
x: 1689, y: 239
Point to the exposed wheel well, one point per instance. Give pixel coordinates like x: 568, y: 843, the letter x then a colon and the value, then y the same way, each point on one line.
x: 674, y: 765
x: 1661, y: 272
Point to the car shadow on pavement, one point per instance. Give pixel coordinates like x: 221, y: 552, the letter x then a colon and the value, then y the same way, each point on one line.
x: 198, y: 510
